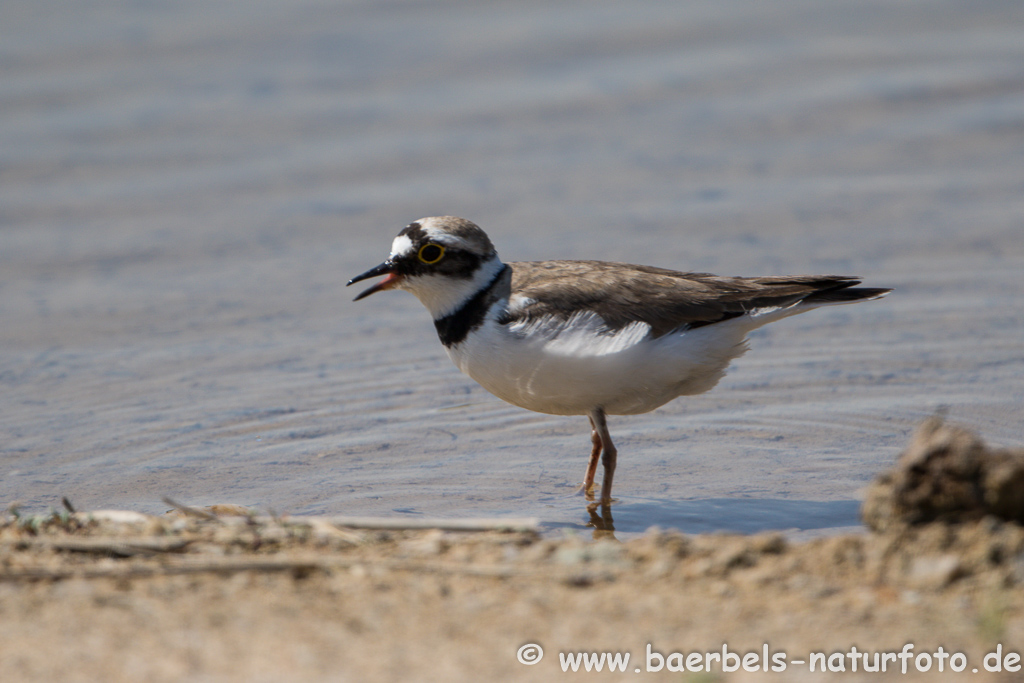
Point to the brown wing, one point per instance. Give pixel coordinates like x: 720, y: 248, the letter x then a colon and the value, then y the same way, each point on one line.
x: 665, y: 299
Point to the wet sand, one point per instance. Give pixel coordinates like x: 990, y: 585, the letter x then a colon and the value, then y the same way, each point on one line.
x: 185, y: 189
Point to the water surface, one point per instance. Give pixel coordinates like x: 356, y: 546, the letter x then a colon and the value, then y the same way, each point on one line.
x: 185, y: 188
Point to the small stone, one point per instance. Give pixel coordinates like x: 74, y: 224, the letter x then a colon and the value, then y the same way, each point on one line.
x: 934, y: 571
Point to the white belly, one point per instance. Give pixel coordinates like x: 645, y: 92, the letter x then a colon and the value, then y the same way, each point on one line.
x: 571, y: 369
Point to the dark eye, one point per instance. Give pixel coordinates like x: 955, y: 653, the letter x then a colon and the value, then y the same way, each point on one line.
x: 431, y: 253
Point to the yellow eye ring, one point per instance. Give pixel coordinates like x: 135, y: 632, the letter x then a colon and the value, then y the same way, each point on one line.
x: 431, y: 253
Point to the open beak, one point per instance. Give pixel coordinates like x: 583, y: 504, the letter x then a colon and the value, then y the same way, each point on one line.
x: 386, y: 268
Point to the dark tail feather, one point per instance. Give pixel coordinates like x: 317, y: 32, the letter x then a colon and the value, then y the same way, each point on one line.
x: 846, y: 295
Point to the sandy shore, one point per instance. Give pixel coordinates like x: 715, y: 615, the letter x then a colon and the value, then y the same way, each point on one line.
x: 229, y: 601
x: 222, y: 596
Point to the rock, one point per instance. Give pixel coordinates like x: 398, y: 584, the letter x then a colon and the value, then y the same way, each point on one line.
x: 947, y: 474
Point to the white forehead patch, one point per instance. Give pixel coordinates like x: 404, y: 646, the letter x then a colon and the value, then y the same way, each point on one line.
x: 402, y: 246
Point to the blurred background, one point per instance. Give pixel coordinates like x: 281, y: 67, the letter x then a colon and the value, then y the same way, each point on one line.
x: 186, y: 187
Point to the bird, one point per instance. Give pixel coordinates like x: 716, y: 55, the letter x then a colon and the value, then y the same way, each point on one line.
x: 594, y: 338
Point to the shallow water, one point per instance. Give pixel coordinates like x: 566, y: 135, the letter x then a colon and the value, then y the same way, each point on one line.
x: 186, y: 188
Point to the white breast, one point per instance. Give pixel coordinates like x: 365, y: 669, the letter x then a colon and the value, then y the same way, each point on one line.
x: 570, y: 368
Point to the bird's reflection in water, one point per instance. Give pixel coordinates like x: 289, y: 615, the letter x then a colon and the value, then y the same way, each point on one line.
x: 601, y: 521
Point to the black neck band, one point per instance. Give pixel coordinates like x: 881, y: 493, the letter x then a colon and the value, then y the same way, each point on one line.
x: 455, y: 327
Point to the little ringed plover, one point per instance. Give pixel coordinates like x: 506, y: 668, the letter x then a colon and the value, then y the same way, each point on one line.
x: 588, y: 337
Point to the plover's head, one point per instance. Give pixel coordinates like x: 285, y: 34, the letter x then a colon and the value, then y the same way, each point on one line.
x: 443, y: 260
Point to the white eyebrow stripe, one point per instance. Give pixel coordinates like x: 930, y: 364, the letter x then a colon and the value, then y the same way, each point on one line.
x: 442, y: 236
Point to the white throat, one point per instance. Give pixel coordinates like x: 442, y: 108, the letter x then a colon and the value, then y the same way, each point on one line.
x: 443, y: 295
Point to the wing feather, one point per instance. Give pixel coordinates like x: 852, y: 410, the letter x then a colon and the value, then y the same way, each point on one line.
x: 667, y: 300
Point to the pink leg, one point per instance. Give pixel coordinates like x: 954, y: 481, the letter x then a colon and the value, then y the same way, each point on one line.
x: 595, y: 453
x: 610, y: 456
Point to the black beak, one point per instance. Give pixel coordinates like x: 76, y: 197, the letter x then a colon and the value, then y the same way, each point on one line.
x: 386, y: 268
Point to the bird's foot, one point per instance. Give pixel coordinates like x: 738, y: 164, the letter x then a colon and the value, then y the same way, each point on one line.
x: 586, y: 490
